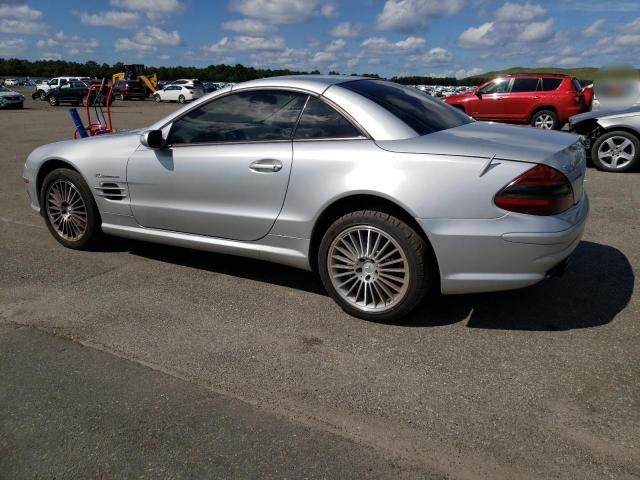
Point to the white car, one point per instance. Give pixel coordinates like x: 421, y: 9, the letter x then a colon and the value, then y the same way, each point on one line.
x: 10, y: 82
x: 177, y: 93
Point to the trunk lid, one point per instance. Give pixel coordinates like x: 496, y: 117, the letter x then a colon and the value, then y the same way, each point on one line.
x: 562, y: 151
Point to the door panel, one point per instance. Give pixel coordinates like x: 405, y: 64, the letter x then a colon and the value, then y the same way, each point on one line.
x: 489, y: 107
x: 212, y: 190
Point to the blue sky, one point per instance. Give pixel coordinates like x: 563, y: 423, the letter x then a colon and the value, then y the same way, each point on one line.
x: 390, y: 37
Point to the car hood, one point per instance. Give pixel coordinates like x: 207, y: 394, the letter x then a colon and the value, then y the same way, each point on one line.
x: 597, y: 114
x: 10, y: 93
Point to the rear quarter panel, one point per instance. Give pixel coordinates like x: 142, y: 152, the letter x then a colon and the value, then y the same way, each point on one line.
x: 425, y: 185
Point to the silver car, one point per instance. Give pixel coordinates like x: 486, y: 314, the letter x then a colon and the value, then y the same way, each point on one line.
x: 383, y: 191
x: 10, y: 99
x: 612, y: 135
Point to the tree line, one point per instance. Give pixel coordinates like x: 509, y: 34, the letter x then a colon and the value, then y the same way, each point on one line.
x: 14, y: 67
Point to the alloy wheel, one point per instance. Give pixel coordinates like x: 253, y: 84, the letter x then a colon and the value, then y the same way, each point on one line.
x: 617, y: 152
x: 544, y: 122
x: 368, y: 268
x: 66, y: 210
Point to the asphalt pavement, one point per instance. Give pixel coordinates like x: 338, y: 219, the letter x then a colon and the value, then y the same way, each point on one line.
x: 141, y: 360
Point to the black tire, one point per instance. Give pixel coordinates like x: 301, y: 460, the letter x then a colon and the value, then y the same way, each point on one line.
x: 157, y: 98
x: 43, y: 95
x: 181, y: 99
x: 419, y: 260
x: 616, y: 137
x: 93, y: 232
x: 53, y: 101
x: 545, y: 117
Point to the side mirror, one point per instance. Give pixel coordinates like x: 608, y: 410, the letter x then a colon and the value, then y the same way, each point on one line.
x: 478, y: 93
x: 152, y: 139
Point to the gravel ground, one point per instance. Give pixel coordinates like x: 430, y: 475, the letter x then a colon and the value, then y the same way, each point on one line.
x: 537, y: 383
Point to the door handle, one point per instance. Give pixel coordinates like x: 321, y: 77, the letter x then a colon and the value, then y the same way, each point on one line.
x: 266, y: 165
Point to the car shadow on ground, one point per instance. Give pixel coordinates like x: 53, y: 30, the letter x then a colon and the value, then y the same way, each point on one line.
x: 597, y: 285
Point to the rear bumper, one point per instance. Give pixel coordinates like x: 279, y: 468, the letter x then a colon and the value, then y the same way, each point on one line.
x: 505, y: 253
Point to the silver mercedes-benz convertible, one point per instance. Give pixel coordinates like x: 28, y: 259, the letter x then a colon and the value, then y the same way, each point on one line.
x: 383, y: 191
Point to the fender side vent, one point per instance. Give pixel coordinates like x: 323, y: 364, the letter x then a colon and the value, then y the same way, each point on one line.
x: 111, y: 191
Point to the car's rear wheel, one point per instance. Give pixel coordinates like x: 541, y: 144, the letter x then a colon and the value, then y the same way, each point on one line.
x: 157, y: 98
x: 616, y: 151
x: 546, y: 120
x: 53, y: 101
x: 374, y: 265
x: 69, y: 209
x: 181, y: 99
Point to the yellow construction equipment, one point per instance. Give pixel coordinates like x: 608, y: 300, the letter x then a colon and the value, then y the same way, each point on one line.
x: 136, y: 72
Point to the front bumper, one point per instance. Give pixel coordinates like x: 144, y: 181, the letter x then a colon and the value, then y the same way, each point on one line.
x: 513, y: 251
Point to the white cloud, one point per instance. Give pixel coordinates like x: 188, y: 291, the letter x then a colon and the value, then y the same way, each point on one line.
x: 69, y: 45
x: 158, y: 6
x: 147, y: 41
x: 568, y: 61
x: 329, y: 10
x: 24, y: 12
x: 247, y: 26
x: 111, y: 18
x: 23, y: 27
x: 384, y: 46
x: 346, y: 30
x: 244, y: 43
x: 336, y: 45
x: 628, y: 40
x: 517, y: 12
x: 474, y: 37
x: 435, y: 56
x: 275, y: 11
x: 12, y: 46
x: 537, y: 31
x: 595, y: 29
x: 411, y: 15
x: 156, y: 36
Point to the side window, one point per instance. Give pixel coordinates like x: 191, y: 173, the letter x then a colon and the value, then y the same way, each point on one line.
x: 54, y: 82
x: 549, y: 84
x: 319, y: 120
x: 522, y: 85
x: 499, y: 85
x: 243, y: 116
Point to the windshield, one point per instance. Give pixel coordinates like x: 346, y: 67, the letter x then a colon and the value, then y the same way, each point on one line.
x: 420, y: 112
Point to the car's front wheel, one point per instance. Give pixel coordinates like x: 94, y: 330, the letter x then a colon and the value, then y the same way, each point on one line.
x: 616, y: 151
x: 42, y: 95
x: 546, y: 120
x: 157, y: 98
x: 53, y: 101
x: 374, y: 265
x: 69, y: 210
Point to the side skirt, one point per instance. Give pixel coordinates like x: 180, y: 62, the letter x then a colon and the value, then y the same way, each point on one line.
x: 272, y: 248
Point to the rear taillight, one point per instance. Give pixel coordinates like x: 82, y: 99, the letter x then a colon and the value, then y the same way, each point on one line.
x: 540, y: 191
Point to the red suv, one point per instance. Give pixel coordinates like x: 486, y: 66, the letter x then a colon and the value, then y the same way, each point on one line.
x: 545, y: 100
